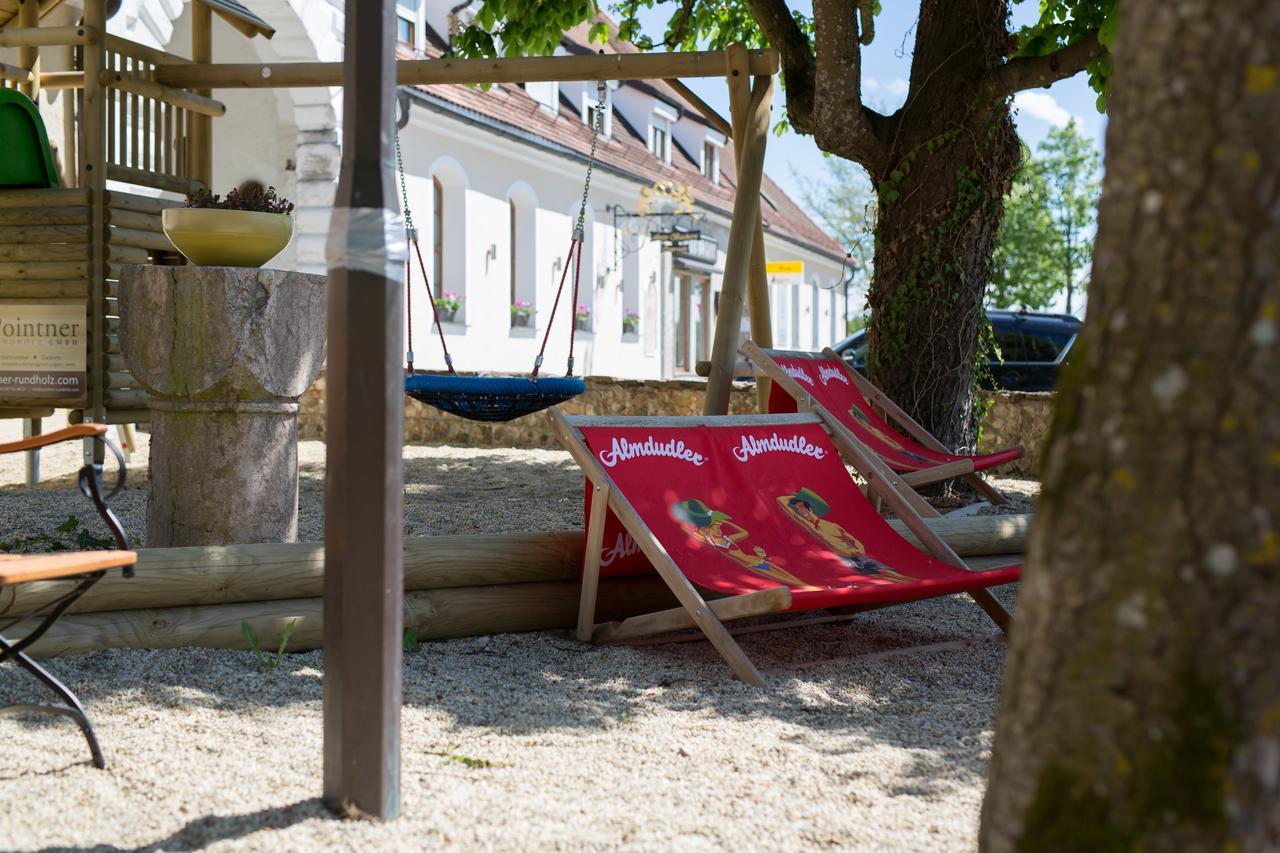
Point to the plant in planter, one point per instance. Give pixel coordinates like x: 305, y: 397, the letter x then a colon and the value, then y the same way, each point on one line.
x: 582, y: 318
x: 521, y: 312
x: 447, y: 304
x: 247, y: 228
x: 630, y: 322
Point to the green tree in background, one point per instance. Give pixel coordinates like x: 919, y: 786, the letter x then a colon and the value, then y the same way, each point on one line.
x: 1046, y: 237
x: 845, y: 205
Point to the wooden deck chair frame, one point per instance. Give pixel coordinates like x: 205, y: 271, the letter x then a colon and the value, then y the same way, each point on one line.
x: 694, y: 610
x: 84, y: 567
x: 763, y: 360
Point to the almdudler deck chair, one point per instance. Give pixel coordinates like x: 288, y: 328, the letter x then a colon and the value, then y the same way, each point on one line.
x: 826, y: 384
x: 83, y: 568
x: 759, y: 512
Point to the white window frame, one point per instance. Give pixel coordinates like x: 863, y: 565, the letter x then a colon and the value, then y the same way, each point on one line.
x: 661, y: 121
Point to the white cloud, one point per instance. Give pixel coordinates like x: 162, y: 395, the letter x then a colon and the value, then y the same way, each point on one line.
x: 1043, y: 106
x: 895, y: 88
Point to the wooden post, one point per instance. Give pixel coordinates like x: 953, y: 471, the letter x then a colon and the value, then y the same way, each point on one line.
x: 750, y: 146
x: 93, y: 179
x: 29, y: 57
x: 364, y: 512
x: 757, y: 281
x: 202, y: 125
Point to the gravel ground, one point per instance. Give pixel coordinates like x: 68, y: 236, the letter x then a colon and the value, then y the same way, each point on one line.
x: 517, y: 741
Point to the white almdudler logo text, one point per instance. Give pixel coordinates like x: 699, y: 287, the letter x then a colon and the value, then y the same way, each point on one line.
x: 622, y: 450
x: 752, y: 446
x: 826, y: 374
x: 798, y: 373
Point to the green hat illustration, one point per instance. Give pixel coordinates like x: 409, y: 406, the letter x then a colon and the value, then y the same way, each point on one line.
x: 695, y: 512
x: 814, y: 500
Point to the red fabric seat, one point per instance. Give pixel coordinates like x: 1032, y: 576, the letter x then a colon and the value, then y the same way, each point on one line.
x: 827, y: 381
x: 742, y: 508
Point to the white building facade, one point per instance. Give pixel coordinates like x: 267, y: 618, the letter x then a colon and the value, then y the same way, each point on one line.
x: 494, y: 180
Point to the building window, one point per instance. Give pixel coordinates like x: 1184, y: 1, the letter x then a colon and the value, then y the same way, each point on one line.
x: 405, y: 31
x: 437, y: 273
x: 660, y: 138
x: 711, y: 162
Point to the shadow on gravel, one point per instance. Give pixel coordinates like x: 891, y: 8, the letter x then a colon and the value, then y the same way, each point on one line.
x: 203, y: 831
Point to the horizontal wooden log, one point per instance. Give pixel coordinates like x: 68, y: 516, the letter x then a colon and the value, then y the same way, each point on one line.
x: 43, y: 198
x: 46, y: 234
x: 143, y: 178
x: 134, y: 220
x: 47, y: 289
x: 121, y: 379
x: 62, y: 80
x: 46, y: 36
x: 39, y: 216
x: 125, y: 254
x: 118, y: 415
x: 43, y: 269
x: 437, y: 614
x: 165, y: 94
x: 15, y: 73
x: 139, y: 238
x: 758, y: 603
x: 43, y: 251
x: 117, y: 200
x: 172, y: 577
x: 125, y: 47
x: 7, y: 414
x: 616, y: 66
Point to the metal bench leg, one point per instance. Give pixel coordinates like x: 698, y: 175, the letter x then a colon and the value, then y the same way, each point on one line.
x: 70, y: 706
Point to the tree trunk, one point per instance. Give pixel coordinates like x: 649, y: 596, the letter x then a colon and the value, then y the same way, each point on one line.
x: 953, y: 154
x: 1142, y: 700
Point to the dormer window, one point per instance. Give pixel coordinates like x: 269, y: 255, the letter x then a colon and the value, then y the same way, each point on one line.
x: 405, y: 31
x: 660, y: 135
x: 711, y: 161
x: 589, y: 101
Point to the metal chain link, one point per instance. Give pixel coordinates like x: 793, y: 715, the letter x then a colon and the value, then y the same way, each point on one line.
x: 404, y: 191
x: 602, y: 93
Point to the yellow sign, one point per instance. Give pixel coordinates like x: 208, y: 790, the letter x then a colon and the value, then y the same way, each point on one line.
x: 785, y: 272
x: 42, y: 350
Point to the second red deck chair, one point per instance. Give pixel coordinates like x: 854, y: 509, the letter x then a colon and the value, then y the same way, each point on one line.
x: 759, y: 514
x: 825, y: 383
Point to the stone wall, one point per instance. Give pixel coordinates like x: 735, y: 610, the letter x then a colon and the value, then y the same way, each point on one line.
x: 1014, y: 418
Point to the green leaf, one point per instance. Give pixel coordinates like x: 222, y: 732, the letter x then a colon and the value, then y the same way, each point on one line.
x: 1107, y: 32
x: 410, y: 639
x: 69, y: 525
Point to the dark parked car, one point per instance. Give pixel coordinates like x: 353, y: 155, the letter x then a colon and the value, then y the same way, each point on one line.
x: 1033, y: 348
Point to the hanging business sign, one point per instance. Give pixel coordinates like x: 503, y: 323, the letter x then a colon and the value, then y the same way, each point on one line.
x: 42, y: 350
x: 784, y: 272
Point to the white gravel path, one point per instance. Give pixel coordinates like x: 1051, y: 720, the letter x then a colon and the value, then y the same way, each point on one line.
x: 517, y: 741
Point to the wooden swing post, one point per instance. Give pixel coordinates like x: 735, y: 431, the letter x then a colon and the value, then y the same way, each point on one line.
x: 750, y: 112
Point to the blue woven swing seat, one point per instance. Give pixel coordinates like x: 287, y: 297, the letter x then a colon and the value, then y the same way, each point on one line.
x: 491, y: 398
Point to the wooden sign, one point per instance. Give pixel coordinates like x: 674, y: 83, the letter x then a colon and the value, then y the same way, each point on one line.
x: 42, y: 350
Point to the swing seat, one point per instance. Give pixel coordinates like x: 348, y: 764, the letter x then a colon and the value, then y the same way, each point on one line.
x: 491, y: 398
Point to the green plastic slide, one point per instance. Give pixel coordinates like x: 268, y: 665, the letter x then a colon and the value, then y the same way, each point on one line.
x: 27, y: 160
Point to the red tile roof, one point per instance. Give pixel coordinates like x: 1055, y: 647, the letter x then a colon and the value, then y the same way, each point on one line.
x: 627, y: 150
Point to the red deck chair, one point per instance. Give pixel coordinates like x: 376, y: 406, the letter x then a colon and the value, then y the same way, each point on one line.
x: 825, y: 383
x: 758, y: 510
x: 84, y: 568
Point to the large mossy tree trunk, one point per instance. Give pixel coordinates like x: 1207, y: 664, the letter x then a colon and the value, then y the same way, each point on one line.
x: 940, y: 199
x: 1141, y: 707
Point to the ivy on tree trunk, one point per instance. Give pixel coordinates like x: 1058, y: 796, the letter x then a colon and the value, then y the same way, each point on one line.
x: 1141, y: 708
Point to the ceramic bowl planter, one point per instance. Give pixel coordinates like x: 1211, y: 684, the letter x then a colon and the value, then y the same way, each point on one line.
x: 215, y: 237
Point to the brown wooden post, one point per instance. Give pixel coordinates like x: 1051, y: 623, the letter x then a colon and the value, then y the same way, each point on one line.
x: 737, y: 64
x: 93, y: 177
x: 29, y: 57
x: 750, y: 147
x: 364, y: 513
x: 202, y: 125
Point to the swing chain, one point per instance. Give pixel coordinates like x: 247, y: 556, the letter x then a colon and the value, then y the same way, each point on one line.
x: 404, y: 191
x: 597, y: 126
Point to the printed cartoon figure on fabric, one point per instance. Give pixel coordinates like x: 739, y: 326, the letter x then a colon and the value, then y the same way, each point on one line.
x: 807, y: 508
x: 861, y: 417
x: 717, y: 530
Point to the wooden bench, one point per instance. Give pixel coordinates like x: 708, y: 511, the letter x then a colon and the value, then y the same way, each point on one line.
x: 83, y: 569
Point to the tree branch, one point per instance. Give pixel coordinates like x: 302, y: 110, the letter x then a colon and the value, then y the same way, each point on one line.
x: 841, y: 124
x: 1033, y: 72
x: 775, y: 21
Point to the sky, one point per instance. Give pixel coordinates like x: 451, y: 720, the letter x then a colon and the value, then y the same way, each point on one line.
x: 886, y: 66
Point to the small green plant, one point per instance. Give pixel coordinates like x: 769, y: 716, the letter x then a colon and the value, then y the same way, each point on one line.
x: 266, y: 661
x: 451, y: 757
x: 70, y: 535
x: 449, y: 301
x: 250, y: 195
x: 410, y: 639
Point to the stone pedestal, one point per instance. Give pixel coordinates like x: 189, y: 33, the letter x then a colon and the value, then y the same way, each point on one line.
x: 225, y: 353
